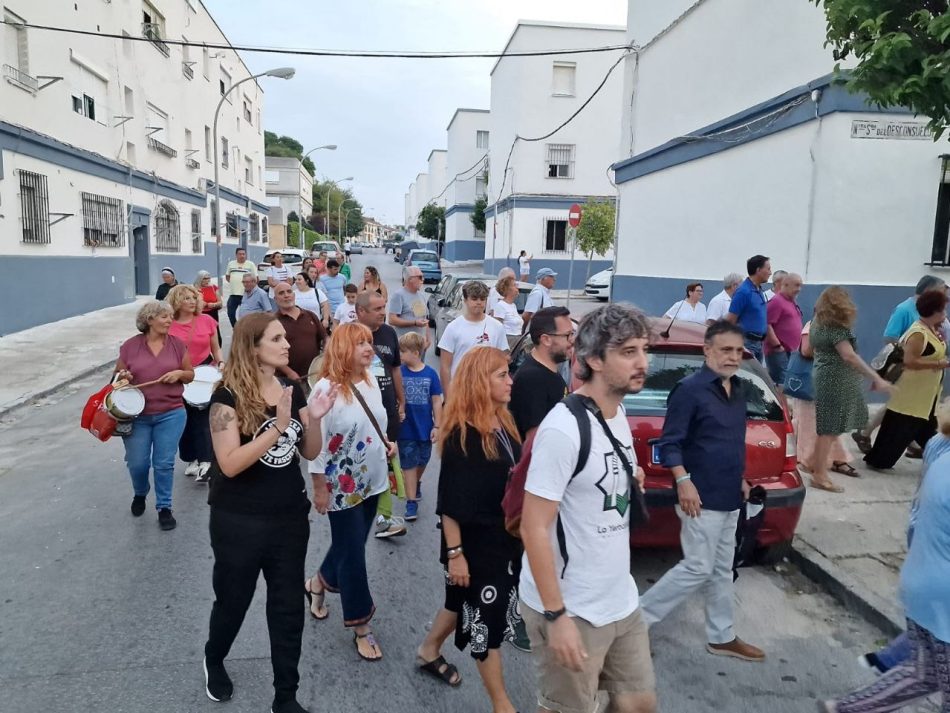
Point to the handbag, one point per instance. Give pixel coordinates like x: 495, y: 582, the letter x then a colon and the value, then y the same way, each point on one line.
x: 798, y: 377
x: 397, y: 484
x: 889, y: 362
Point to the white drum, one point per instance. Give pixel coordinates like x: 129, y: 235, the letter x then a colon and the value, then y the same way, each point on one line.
x: 125, y: 404
x: 198, y: 393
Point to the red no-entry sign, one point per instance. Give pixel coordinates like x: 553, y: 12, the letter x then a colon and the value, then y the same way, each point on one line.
x: 574, y: 216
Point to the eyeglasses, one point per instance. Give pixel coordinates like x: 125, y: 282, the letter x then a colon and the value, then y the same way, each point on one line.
x: 568, y: 335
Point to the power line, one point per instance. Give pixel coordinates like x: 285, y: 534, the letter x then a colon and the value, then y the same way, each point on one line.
x: 478, y: 164
x: 368, y: 54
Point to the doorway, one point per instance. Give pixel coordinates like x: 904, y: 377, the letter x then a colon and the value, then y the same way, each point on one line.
x: 140, y: 260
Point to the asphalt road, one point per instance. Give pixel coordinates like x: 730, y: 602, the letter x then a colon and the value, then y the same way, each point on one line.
x: 100, y: 611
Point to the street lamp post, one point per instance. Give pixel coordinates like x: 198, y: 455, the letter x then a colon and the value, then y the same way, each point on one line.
x: 280, y: 73
x: 328, y: 147
x: 327, y: 219
x: 339, y: 225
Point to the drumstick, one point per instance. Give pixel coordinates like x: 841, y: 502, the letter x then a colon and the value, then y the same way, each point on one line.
x: 138, y: 386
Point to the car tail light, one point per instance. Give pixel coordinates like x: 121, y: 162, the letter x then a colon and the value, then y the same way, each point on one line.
x: 791, y: 448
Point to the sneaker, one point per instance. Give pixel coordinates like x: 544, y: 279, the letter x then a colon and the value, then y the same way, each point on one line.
x: 203, y: 468
x: 138, y: 505
x: 737, y: 648
x: 389, y: 527
x: 203, y: 476
x: 412, y: 511
x: 288, y: 707
x: 165, y: 519
x: 192, y: 469
x: 218, y: 684
x: 521, y: 640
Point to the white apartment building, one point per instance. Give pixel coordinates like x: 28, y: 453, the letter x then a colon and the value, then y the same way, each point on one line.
x: 529, y: 198
x: 723, y: 158
x: 106, y: 152
x: 288, y: 187
x: 418, y: 198
x: 437, y: 181
x: 468, y: 144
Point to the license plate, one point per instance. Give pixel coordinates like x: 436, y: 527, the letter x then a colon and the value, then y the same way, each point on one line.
x: 655, y: 459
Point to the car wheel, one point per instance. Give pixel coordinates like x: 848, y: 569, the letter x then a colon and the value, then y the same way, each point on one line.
x: 773, y: 554
x: 602, y: 299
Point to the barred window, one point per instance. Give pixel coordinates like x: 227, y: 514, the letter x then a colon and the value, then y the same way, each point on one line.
x: 264, y: 228
x: 555, y: 235
x: 255, y: 228
x: 167, y: 228
x: 34, y: 203
x: 196, y: 231
x: 102, y: 221
x: 232, y: 227
x: 214, y: 217
x: 560, y: 160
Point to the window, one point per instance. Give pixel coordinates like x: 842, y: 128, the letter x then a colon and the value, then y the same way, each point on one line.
x: 126, y: 45
x: 129, y: 101
x: 224, y: 83
x: 255, y: 221
x: 214, y: 217
x: 264, y: 227
x: 16, y: 53
x: 196, y: 231
x: 208, y: 156
x: 206, y: 62
x: 85, y: 106
x: 481, y: 139
x: 272, y: 176
x: 188, y: 141
x: 102, y: 221
x: 34, y: 204
x: 130, y: 152
x: 232, y: 225
x: 225, y: 152
x: 249, y: 171
x: 153, y: 27
x: 560, y: 160
x: 258, y: 120
x: 248, y: 117
x: 940, y: 253
x: 555, y: 235
x: 564, y: 78
x: 167, y: 228
x: 481, y: 186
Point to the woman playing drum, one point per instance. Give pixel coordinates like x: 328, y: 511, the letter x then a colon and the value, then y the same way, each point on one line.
x: 157, y: 359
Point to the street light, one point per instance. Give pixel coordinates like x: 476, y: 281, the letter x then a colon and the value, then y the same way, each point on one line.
x: 339, y: 225
x: 279, y: 73
x: 328, y: 147
x: 327, y: 220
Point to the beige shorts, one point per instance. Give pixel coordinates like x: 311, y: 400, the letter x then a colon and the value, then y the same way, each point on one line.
x: 618, y: 661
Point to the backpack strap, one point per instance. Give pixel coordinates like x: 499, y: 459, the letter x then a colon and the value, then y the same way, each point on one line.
x: 580, y: 412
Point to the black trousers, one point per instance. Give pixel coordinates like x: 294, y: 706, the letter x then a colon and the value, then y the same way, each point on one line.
x: 896, y: 433
x: 244, y: 546
x: 195, y: 442
x: 234, y: 301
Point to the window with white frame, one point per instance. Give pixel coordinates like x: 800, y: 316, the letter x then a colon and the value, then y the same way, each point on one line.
x: 225, y: 152
x: 206, y: 63
x: 555, y: 235
x: 563, y: 82
x: 481, y: 186
x: 249, y: 171
x: 481, y: 140
x: 102, y: 221
x: 255, y: 221
x: 34, y: 206
x: 208, y: 148
x: 16, y: 51
x: 560, y: 160
x: 224, y: 82
x: 248, y: 116
x: 232, y: 225
x: 85, y: 106
x: 196, y: 231
x: 167, y: 228
x: 264, y: 227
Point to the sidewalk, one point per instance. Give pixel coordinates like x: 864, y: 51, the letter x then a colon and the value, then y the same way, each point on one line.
x: 39, y: 361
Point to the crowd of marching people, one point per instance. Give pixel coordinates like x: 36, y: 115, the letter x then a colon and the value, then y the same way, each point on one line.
x: 538, y: 483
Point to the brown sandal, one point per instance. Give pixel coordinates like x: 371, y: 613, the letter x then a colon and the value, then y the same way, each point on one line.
x: 839, y: 466
x: 829, y: 486
x: 317, y: 607
x: 371, y: 640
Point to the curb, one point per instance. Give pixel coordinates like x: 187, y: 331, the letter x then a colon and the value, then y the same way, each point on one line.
x: 853, y: 594
x: 9, y: 410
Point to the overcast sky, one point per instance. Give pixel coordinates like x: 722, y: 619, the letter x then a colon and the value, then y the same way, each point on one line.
x: 385, y: 115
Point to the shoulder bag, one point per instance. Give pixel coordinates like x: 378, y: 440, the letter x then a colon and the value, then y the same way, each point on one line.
x: 397, y: 485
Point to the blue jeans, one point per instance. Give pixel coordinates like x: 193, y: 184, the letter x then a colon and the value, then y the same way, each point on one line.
x: 234, y: 301
x: 777, y: 364
x: 344, y: 567
x: 755, y: 346
x: 896, y: 652
x: 153, y: 444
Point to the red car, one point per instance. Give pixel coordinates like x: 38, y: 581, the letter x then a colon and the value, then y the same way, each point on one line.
x: 770, y: 441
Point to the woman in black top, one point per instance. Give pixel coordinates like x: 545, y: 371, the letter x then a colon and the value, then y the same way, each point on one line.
x: 259, y: 503
x: 479, y: 443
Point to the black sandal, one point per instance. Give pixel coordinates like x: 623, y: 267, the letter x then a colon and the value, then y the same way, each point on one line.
x: 318, y: 598
x: 442, y: 670
x: 839, y: 466
x: 371, y: 640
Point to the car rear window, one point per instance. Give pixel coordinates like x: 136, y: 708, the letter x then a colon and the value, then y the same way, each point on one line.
x: 425, y: 257
x: 668, y: 368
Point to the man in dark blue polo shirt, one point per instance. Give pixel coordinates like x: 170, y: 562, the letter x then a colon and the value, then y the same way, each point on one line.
x: 703, y: 444
x: 747, y: 308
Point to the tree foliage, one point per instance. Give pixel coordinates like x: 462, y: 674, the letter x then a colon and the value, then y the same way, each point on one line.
x: 431, y: 222
x: 595, y: 234
x: 286, y: 147
x: 478, y: 214
x: 343, y: 206
x: 902, y: 51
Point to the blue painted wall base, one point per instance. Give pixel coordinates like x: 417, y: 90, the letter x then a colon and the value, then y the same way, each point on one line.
x: 456, y: 250
x: 561, y: 267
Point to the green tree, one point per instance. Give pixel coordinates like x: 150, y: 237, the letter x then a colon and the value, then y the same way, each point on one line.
x: 286, y: 147
x: 431, y: 222
x: 902, y: 51
x: 478, y: 214
x: 343, y: 206
x: 595, y: 234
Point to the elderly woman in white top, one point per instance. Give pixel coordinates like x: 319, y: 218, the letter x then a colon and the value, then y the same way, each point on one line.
x: 505, y: 311
x: 692, y: 308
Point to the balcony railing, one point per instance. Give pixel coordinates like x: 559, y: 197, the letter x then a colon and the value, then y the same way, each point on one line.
x: 157, y: 145
x: 192, y: 163
x: 20, y: 79
x: 153, y: 31
x: 187, y: 71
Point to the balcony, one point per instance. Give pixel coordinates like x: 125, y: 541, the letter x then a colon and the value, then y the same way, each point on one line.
x: 153, y: 32
x: 192, y: 163
x: 187, y: 71
x: 20, y: 79
x: 157, y: 145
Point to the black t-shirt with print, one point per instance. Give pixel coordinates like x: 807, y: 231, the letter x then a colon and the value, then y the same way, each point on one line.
x: 273, y: 485
x: 534, y: 392
x: 386, y: 344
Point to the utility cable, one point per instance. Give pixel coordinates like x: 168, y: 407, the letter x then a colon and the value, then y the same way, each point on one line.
x: 478, y: 164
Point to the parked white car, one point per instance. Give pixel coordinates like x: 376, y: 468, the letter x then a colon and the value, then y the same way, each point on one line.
x: 599, y: 285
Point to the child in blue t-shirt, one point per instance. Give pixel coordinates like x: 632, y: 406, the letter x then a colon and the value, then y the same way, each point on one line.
x: 418, y: 431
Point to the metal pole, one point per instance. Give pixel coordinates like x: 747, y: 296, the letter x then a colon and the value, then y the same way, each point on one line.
x: 570, y: 272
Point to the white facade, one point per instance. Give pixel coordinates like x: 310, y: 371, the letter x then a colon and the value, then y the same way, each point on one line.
x: 531, y: 96
x: 468, y: 138
x: 797, y: 180
x: 438, y: 180
x: 288, y: 185
x: 106, y: 151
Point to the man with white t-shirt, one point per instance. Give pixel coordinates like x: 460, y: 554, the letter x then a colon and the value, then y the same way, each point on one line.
x: 582, y: 611
x: 473, y: 328
x: 540, y: 296
x: 719, y: 305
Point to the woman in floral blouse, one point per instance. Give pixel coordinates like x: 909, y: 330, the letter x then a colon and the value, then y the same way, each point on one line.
x: 348, y: 476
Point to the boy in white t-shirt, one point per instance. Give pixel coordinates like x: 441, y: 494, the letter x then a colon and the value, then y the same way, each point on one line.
x: 346, y: 312
x: 582, y: 612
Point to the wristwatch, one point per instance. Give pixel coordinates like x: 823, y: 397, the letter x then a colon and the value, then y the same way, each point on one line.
x: 554, y: 615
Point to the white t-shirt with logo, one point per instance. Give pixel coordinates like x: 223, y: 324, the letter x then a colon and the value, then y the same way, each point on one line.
x: 595, y: 512
x: 510, y: 319
x: 345, y: 313
x: 461, y: 336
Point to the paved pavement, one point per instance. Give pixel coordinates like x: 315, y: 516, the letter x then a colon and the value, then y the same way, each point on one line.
x: 100, y: 611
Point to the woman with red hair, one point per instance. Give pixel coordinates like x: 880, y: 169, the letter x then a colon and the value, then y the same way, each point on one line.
x: 479, y: 443
x: 348, y: 475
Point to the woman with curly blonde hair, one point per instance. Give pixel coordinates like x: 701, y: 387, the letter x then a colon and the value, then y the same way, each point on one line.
x: 348, y: 475
x: 838, y: 372
x: 258, y: 501
x: 479, y: 443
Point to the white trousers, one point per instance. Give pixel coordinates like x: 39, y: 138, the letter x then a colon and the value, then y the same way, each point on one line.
x: 709, y: 545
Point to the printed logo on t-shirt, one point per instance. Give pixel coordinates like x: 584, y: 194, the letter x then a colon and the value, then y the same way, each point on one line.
x: 613, y: 483
x: 483, y: 339
x: 377, y: 368
x: 282, y: 452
